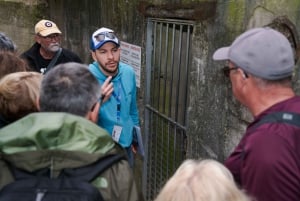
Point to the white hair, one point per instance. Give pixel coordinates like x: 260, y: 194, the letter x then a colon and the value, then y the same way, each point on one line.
x: 206, y: 180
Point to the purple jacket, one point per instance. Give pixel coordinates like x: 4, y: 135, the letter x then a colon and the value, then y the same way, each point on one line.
x: 266, y: 162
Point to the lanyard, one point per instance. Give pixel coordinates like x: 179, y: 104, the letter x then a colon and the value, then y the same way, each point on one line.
x: 118, y: 99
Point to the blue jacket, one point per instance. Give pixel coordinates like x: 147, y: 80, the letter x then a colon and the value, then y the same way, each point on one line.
x: 125, y: 88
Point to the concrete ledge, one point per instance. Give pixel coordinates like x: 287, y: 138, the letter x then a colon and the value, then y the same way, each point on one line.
x: 192, y: 11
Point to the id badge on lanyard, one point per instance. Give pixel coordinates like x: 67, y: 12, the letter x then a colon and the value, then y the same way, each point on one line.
x: 117, y: 130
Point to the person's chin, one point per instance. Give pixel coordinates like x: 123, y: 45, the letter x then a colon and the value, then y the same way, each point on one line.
x: 111, y: 68
x: 54, y: 48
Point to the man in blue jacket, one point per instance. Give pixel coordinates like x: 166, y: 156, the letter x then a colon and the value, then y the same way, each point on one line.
x: 119, y: 114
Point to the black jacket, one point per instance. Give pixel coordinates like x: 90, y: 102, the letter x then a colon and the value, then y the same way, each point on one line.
x: 32, y: 54
x: 3, y: 121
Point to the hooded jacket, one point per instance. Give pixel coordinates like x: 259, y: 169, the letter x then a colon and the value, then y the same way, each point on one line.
x: 61, y: 140
x: 125, y: 88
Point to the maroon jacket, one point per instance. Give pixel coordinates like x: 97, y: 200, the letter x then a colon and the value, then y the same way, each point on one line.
x: 266, y: 162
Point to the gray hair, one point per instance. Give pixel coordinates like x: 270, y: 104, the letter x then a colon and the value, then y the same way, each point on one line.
x: 6, y: 44
x: 266, y: 84
x: 70, y: 88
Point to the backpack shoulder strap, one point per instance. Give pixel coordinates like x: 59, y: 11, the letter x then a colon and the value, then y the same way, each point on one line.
x: 85, y: 173
x: 280, y: 117
x: 89, y: 172
x: 54, y: 60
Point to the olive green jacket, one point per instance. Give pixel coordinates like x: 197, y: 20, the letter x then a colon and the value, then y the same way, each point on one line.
x: 60, y: 140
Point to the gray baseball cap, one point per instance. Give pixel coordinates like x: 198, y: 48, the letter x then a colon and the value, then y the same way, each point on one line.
x: 263, y: 52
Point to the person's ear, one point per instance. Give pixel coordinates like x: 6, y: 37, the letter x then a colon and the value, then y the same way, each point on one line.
x: 93, y: 114
x: 37, y: 38
x: 244, y: 76
x: 94, y: 55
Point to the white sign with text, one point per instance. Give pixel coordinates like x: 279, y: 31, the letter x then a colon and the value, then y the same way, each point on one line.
x: 132, y: 55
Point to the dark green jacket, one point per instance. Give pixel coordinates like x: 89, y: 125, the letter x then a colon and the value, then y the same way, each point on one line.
x: 60, y: 140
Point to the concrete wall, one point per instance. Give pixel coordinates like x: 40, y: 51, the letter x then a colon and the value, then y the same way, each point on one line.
x: 79, y: 19
x: 17, y: 20
x: 215, y: 120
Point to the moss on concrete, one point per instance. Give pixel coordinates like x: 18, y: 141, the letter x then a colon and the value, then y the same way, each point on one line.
x: 289, y: 8
x: 235, y: 15
x: 17, y: 20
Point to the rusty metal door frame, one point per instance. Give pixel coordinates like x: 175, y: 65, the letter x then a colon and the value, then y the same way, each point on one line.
x: 167, y: 69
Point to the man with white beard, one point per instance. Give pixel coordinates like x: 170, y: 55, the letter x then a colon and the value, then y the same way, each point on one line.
x: 46, y: 52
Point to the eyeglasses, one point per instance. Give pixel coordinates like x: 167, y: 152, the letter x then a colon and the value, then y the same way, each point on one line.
x: 101, y: 36
x: 227, y: 69
x: 51, y: 37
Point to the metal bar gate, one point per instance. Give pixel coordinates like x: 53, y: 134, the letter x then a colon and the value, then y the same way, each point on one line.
x: 167, y: 69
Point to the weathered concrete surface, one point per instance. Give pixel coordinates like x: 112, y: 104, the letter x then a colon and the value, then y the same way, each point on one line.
x: 79, y: 19
x: 17, y: 20
x: 192, y: 11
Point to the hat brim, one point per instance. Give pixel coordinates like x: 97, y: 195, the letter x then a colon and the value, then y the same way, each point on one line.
x: 49, y: 31
x: 221, y: 54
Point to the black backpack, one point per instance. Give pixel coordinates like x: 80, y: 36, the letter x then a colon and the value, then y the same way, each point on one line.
x: 71, y: 185
x: 280, y: 117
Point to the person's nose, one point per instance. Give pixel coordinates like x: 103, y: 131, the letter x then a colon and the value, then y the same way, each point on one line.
x: 110, y: 55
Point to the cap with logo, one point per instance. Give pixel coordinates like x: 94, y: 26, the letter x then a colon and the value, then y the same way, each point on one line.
x: 102, y: 36
x: 263, y: 52
x: 46, y: 27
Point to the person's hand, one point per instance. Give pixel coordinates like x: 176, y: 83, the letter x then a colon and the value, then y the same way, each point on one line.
x: 106, y: 89
x: 134, y: 148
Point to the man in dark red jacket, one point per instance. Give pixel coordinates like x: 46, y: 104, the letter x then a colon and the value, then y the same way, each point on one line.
x: 46, y: 52
x: 266, y: 162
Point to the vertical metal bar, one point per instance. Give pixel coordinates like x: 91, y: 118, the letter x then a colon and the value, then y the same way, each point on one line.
x: 154, y: 116
x: 174, y: 148
x: 179, y: 76
x: 159, y: 67
x: 168, y: 150
x: 153, y: 64
x: 157, y: 170
x: 187, y: 56
x: 150, y: 156
x: 149, y: 49
x: 171, y: 91
x: 166, y: 67
x: 161, y: 143
x: 164, y: 128
x: 156, y: 151
x: 172, y: 72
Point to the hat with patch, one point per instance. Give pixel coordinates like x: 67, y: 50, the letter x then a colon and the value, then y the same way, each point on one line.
x: 46, y: 27
x: 263, y: 52
x: 102, y: 36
